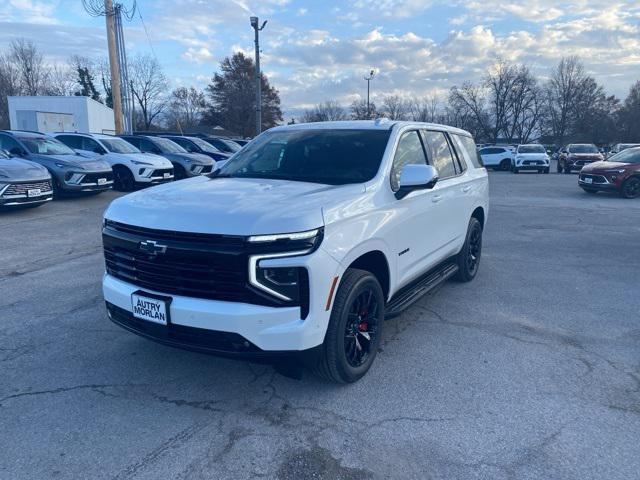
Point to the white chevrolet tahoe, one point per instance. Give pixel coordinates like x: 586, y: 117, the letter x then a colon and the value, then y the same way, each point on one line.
x: 301, y: 245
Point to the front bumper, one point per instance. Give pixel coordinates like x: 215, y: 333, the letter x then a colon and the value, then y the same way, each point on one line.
x: 261, y: 328
x: 87, y: 181
x: 598, y: 182
x: 528, y: 165
x: 24, y: 193
x: 155, y: 177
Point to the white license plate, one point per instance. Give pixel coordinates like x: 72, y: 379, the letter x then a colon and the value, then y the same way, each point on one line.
x: 588, y: 180
x: 102, y: 181
x: 34, y: 192
x: 150, y: 309
x: 167, y: 175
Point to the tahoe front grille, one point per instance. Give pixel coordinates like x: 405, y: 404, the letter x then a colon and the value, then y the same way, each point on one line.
x: 193, y: 265
x: 23, y: 188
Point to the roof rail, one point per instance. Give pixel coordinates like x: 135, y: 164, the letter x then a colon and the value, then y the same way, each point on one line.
x: 24, y: 131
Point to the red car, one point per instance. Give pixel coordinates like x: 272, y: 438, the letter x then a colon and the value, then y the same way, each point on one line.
x: 576, y: 155
x: 620, y: 173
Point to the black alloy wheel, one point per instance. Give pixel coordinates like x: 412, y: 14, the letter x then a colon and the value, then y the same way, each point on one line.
x: 179, y: 172
x: 631, y: 188
x: 505, y: 165
x: 361, y: 328
x: 468, y: 260
x: 123, y: 179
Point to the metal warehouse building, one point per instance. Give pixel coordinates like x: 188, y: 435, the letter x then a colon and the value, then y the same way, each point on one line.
x: 60, y: 114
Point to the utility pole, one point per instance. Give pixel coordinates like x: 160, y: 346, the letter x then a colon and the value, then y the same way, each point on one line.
x: 368, y: 79
x: 254, y: 24
x: 114, y: 65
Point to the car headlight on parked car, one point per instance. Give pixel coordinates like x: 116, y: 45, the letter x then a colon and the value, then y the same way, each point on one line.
x: 616, y: 170
x: 283, y: 283
x: 137, y: 162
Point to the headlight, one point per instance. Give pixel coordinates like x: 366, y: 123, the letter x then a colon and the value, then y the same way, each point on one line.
x: 281, y: 282
x: 306, y: 235
x: 61, y: 165
x: 619, y: 170
x: 137, y: 162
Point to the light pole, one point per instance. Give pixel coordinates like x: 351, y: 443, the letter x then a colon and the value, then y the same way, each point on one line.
x: 372, y: 74
x: 254, y: 24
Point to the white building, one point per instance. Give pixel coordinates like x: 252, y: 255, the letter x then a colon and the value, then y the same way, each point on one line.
x: 60, y: 114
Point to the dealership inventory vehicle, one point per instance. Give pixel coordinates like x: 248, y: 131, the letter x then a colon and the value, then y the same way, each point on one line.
x: 497, y: 158
x: 198, y: 145
x: 185, y: 164
x: 618, y: 147
x: 23, y: 183
x: 620, y: 173
x: 223, y: 144
x: 131, y: 167
x: 302, y: 244
x: 70, y: 172
x: 576, y: 155
x: 531, y: 157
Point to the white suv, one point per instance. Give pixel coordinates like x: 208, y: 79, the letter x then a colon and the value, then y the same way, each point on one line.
x: 131, y: 167
x: 497, y: 157
x: 302, y: 244
x: 531, y: 157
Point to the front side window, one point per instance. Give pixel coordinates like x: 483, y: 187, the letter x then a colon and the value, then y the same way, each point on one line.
x: 330, y: 157
x: 7, y: 143
x: 91, y: 145
x: 168, y: 146
x: 441, y: 156
x: 71, y: 141
x: 46, y: 146
x: 408, y: 152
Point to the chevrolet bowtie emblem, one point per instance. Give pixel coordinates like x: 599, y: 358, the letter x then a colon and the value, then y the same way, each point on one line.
x: 152, y: 247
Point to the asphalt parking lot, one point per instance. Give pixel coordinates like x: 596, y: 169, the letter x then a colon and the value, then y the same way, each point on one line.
x: 530, y: 371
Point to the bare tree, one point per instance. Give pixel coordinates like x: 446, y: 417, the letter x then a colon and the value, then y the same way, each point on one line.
x: 327, y: 111
x: 467, y: 109
x: 561, y: 94
x: 359, y: 110
x: 424, y: 109
x: 62, y: 81
x: 9, y: 85
x: 629, y: 115
x: 186, y: 108
x: 149, y: 88
x: 394, y: 107
x: 29, y: 62
x: 523, y: 106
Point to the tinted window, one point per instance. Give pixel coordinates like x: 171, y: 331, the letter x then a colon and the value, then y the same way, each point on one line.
x: 331, y: 157
x: 133, y: 141
x: 408, y: 152
x: 71, y: 141
x: 441, y: 156
x: 184, y: 143
x: 7, y: 143
x: 146, y: 145
x: 467, y: 147
x: 168, y: 146
x: 91, y: 145
x: 582, y: 148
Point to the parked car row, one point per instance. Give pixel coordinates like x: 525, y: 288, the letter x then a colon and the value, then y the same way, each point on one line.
x: 516, y: 159
x: 36, y: 167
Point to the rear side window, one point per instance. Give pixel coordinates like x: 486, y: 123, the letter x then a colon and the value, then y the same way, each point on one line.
x: 71, y: 141
x: 467, y: 147
x: 441, y: 156
x: 409, y: 152
x: 7, y: 143
x: 133, y: 141
x: 91, y: 145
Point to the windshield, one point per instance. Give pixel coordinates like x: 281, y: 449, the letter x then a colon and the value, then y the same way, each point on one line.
x: 117, y: 145
x: 331, y: 157
x: 46, y: 146
x: 168, y: 146
x: 205, y: 146
x: 630, y: 155
x: 624, y: 146
x: 582, y: 148
x: 531, y: 149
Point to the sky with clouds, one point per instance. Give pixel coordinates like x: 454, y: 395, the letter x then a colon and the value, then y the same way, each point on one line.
x: 316, y: 50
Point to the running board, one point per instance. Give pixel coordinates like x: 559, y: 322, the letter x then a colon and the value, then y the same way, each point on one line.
x: 414, y: 291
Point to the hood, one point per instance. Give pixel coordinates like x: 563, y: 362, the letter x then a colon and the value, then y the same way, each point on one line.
x: 603, y: 165
x: 17, y: 169
x: 532, y: 156
x: 586, y: 156
x: 194, y: 158
x: 75, y: 161
x: 232, y: 206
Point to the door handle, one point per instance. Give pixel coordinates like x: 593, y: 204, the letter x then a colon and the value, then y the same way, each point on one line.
x: 436, y: 198
x: 466, y: 188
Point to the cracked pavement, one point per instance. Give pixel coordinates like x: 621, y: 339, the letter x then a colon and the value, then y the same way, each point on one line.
x: 531, y: 371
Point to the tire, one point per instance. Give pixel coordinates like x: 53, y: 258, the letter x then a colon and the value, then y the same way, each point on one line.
x: 123, y: 179
x: 516, y: 170
x: 57, y: 190
x: 559, y: 168
x: 468, y: 260
x: 178, y: 172
x: 505, y: 165
x: 339, y: 358
x: 567, y: 169
x: 546, y: 170
x: 590, y: 190
x: 631, y: 188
